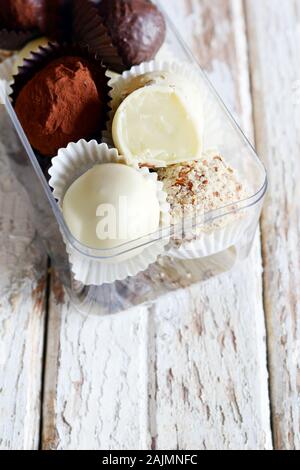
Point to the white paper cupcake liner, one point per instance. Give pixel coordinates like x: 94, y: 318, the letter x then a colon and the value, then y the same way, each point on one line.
x: 6, y: 74
x: 71, y: 163
x: 218, y: 239
x: 213, y: 134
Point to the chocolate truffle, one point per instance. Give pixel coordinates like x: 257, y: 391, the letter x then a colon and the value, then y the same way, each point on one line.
x: 62, y: 103
x: 158, y: 119
x: 137, y: 28
x: 22, y: 14
x: 111, y: 204
x: 49, y: 17
x: 196, y: 188
x: 155, y: 127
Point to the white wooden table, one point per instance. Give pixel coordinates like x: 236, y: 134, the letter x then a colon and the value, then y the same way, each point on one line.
x: 194, y: 371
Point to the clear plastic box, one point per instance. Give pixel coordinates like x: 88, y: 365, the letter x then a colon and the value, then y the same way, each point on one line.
x: 168, y: 273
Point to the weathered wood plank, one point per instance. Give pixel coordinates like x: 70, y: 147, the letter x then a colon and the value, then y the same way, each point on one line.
x: 23, y: 276
x: 274, y: 37
x: 189, y: 372
x: 209, y: 360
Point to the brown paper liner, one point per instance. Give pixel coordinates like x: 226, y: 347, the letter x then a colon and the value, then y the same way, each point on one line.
x: 89, y: 30
x: 14, y: 40
x: 58, y: 26
x: 40, y: 59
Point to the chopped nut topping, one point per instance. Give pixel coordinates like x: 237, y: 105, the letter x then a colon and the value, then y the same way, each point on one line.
x: 198, y: 187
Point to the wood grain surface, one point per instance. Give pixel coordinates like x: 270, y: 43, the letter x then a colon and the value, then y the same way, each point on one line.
x: 23, y: 279
x: 274, y: 38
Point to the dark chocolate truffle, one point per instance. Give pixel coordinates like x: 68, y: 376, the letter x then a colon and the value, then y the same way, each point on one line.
x: 22, y: 14
x: 62, y: 103
x: 137, y: 28
x: 49, y: 17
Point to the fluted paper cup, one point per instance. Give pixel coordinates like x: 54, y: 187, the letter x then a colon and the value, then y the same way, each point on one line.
x: 6, y: 73
x: 213, y: 238
x: 92, y: 269
x: 89, y: 30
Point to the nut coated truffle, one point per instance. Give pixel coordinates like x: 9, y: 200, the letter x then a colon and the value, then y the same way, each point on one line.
x: 137, y: 28
x: 22, y: 14
x: 62, y: 103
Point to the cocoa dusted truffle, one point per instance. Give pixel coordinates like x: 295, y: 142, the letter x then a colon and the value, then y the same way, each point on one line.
x: 137, y: 28
x: 62, y: 103
x: 22, y: 14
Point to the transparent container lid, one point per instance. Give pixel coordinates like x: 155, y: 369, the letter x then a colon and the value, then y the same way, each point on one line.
x: 235, y: 149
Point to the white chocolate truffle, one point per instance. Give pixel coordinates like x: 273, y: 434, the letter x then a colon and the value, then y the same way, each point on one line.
x: 155, y: 126
x: 27, y: 50
x: 111, y: 204
x: 190, y: 91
